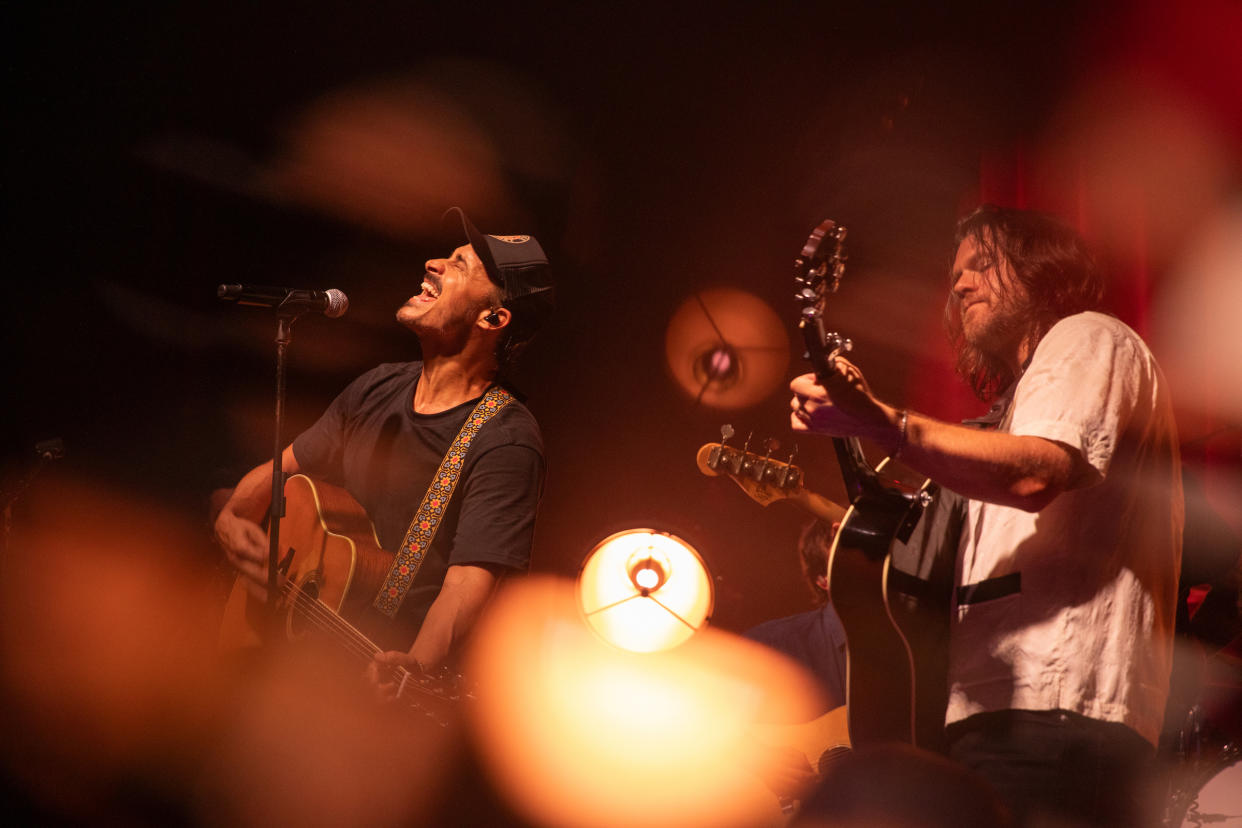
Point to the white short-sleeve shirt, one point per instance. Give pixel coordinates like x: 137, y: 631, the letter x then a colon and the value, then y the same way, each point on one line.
x: 1089, y: 628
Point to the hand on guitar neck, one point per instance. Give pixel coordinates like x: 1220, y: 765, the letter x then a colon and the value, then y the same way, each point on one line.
x: 840, y: 404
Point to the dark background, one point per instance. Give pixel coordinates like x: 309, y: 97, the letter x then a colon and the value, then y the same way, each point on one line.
x: 672, y: 148
x: 157, y: 150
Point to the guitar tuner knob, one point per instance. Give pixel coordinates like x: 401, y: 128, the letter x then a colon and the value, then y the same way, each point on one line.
x: 726, y: 432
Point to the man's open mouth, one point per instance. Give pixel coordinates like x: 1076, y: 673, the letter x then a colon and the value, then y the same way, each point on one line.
x: 431, y: 286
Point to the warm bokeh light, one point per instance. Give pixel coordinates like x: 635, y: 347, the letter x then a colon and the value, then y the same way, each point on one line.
x: 306, y: 745
x: 726, y: 348
x: 644, y: 590
x: 1196, y: 321
x: 117, y: 702
x: 386, y: 155
x: 392, y: 152
x: 579, y: 733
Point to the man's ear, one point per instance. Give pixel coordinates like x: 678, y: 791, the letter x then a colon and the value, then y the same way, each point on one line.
x: 495, y: 319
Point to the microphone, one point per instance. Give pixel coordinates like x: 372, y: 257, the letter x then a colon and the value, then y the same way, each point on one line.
x: 331, y: 303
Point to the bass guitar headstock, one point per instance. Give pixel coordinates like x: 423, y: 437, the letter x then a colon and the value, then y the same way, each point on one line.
x: 817, y: 274
x: 765, y: 480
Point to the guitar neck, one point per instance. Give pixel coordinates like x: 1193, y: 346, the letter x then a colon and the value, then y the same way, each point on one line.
x: 412, y: 688
x: 854, y: 467
x: 818, y: 505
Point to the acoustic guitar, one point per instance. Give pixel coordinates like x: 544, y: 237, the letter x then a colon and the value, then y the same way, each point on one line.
x: 895, y: 623
x: 331, y: 566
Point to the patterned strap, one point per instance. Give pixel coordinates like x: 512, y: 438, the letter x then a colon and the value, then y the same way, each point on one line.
x: 430, y: 512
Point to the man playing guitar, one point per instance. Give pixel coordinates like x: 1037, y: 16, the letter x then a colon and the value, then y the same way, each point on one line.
x: 457, y: 516
x: 1066, y: 575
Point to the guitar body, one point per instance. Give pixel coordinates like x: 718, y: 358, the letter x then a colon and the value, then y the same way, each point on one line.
x: 332, y: 553
x: 896, y: 626
x: 820, y: 740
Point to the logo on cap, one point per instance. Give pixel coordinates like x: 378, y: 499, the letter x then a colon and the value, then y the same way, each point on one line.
x: 512, y: 239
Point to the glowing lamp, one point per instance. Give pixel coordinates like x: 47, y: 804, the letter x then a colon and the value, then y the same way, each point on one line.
x: 644, y: 590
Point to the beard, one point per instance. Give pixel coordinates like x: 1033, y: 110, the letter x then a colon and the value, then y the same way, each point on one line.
x: 987, y: 348
x: 999, y: 335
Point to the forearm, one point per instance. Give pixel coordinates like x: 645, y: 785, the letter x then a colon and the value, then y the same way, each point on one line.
x: 1011, y: 470
x: 237, y: 527
x: 252, y: 496
x: 453, y: 613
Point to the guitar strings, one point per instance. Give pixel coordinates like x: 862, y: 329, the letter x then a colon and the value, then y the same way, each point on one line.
x: 356, y: 642
x: 329, y: 621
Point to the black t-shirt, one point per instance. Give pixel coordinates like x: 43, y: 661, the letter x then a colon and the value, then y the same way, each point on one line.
x: 370, y: 442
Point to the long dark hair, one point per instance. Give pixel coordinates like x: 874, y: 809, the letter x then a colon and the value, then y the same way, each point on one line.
x: 1050, y: 261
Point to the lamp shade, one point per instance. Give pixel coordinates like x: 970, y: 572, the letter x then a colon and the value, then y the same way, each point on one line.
x: 644, y: 590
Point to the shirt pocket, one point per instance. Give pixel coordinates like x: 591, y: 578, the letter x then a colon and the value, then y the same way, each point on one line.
x: 981, y: 641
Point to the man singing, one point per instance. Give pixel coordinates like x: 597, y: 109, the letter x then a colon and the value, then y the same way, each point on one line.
x: 457, y: 520
x: 1066, y: 575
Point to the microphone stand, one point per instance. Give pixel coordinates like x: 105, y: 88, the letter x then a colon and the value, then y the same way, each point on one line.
x: 285, y: 318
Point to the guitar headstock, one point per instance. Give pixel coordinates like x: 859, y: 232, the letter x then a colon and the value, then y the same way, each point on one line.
x: 434, y: 695
x: 765, y: 480
x: 821, y: 264
x: 817, y: 274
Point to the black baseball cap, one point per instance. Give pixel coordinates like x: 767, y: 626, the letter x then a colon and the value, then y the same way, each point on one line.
x: 516, y: 264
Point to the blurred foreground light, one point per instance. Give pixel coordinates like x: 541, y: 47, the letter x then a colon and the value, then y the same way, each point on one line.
x: 644, y: 590
x: 576, y: 732
x: 1196, y: 319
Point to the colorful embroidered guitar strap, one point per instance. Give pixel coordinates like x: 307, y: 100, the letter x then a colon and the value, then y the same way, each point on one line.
x: 431, y: 511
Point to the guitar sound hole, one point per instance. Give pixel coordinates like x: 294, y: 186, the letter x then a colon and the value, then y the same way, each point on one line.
x: 830, y: 757
x: 299, y: 613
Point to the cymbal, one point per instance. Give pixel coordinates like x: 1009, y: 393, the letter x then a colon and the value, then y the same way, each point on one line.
x: 726, y: 348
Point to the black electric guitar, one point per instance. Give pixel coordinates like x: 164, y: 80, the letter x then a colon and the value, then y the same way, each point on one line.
x: 894, y: 621
x: 331, y: 567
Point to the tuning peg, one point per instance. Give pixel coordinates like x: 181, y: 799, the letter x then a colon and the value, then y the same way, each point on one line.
x: 726, y: 432
x: 746, y: 445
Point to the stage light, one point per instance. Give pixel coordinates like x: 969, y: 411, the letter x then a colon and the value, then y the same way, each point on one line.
x: 726, y: 348
x: 645, y: 590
